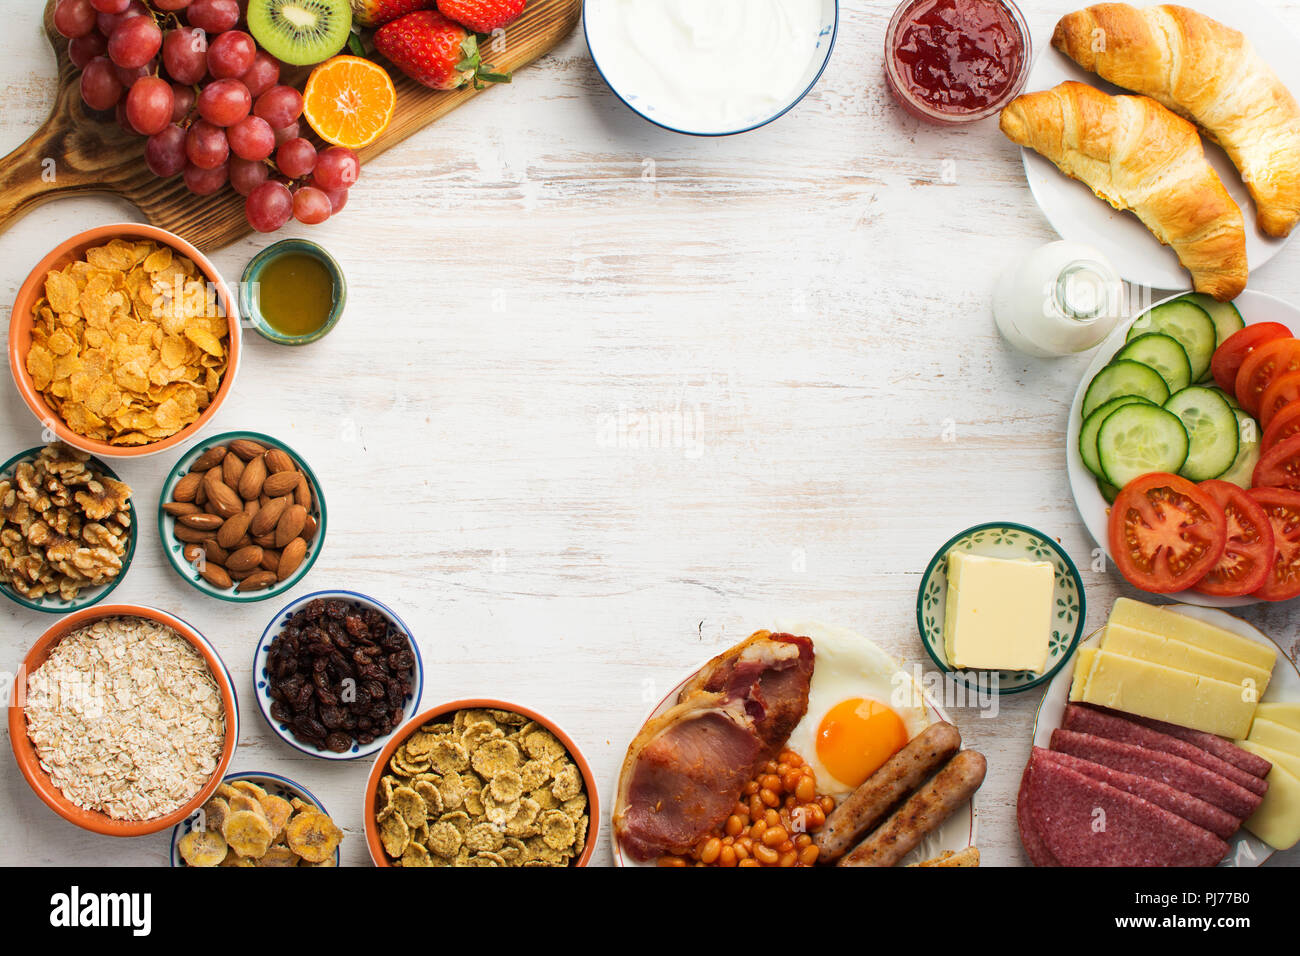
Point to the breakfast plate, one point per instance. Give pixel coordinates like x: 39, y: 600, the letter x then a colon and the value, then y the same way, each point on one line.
x: 955, y: 834
x: 1255, y: 307
x: 1078, y: 215
x: 1245, y: 848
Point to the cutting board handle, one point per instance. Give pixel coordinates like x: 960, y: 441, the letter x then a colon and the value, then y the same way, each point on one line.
x: 32, y: 174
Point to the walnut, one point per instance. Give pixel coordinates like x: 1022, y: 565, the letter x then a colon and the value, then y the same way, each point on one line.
x: 103, y: 498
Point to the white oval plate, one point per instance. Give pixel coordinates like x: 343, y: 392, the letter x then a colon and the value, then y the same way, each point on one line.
x: 1245, y: 849
x: 1077, y: 214
x: 956, y: 833
x: 1254, y: 307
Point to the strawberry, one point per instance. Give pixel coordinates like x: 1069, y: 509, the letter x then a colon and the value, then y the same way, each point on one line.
x: 482, y: 16
x: 435, y: 51
x: 375, y: 13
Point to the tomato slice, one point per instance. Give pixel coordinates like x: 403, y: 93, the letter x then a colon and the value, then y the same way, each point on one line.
x: 1165, y: 533
x: 1283, y: 510
x: 1279, y: 467
x: 1261, y: 366
x: 1247, y: 552
x: 1229, y: 356
x: 1285, y: 423
x: 1282, y: 391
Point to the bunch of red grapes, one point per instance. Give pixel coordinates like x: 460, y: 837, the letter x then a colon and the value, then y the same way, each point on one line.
x: 209, y: 101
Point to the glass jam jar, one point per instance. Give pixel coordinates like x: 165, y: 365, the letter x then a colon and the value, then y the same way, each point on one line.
x: 956, y: 61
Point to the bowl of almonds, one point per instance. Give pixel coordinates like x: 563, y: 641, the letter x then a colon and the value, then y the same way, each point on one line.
x: 242, y: 517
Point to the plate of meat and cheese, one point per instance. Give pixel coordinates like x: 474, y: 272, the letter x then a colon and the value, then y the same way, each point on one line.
x: 833, y: 698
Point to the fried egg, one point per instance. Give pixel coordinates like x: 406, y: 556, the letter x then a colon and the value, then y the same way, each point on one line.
x: 862, y: 708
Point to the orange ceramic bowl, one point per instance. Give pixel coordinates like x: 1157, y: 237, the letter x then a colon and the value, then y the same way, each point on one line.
x: 376, y: 848
x: 30, y: 765
x: 20, y: 335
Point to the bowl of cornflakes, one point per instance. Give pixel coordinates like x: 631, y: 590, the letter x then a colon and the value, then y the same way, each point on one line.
x: 481, y: 783
x: 124, y: 341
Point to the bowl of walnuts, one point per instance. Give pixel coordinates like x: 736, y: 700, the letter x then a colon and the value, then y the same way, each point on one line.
x: 67, y: 529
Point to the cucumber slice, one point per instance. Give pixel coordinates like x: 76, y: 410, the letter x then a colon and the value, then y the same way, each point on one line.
x: 1211, y: 432
x: 1138, y: 439
x: 1189, y: 324
x: 1224, y: 315
x: 1162, y: 353
x: 1092, y: 424
x: 1108, y: 491
x: 1242, y: 472
x: 1124, y: 377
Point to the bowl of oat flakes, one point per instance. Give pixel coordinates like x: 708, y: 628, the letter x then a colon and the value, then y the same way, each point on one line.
x: 123, y: 719
x: 481, y: 783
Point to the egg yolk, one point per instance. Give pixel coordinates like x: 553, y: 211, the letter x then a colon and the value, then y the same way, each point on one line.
x: 856, y: 736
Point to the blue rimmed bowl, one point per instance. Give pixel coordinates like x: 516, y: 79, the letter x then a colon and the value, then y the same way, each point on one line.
x: 261, y: 677
x: 250, y: 304
x: 600, y: 20
x: 1001, y: 539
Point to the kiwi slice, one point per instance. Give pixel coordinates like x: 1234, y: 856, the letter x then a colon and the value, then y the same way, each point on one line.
x: 300, y: 32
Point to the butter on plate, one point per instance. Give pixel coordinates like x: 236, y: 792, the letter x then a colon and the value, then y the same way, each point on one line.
x: 998, y: 614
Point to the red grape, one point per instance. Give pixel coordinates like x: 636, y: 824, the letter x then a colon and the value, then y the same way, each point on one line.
x: 206, y: 145
x: 231, y: 54
x: 251, y: 138
x: 286, y: 133
x: 74, y: 18
x: 165, y: 152
x: 279, y: 106
x: 224, y: 102
x: 296, y: 158
x: 338, y: 199
x: 110, y: 6
x: 100, y: 88
x: 269, y: 206
x: 311, y: 206
x: 204, y: 182
x: 119, y: 113
x: 149, y: 105
x: 108, y: 22
x: 128, y: 77
x: 215, y: 16
x: 262, y: 75
x: 135, y: 42
x: 171, y: 6
x: 336, y: 168
x: 246, y: 175
x: 182, y: 102
x: 185, y: 55
x: 81, y: 50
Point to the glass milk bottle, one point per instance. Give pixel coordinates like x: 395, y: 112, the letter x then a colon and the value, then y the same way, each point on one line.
x: 1062, y: 298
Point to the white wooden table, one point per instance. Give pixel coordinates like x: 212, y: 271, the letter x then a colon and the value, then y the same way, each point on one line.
x: 533, y: 283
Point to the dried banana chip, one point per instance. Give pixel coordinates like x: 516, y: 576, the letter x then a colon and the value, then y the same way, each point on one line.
x: 202, y: 848
x: 313, y: 836
x: 248, y: 833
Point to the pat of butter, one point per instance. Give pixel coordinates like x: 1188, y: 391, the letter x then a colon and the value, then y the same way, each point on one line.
x: 1180, y: 627
x: 1277, y: 820
x: 1268, y: 733
x: 998, y: 614
x: 1163, y: 693
x: 1281, y: 712
x: 1162, y: 649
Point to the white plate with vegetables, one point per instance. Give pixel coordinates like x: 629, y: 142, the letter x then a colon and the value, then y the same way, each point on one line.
x: 1149, y: 403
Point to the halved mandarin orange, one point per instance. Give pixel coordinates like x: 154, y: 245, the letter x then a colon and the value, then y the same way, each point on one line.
x: 349, y: 101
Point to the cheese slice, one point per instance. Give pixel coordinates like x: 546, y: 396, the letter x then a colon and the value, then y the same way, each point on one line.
x: 1160, y: 649
x: 998, y: 613
x: 1286, y: 713
x: 1162, y: 693
x: 1266, y: 733
x: 1277, y: 820
x: 1084, y: 661
x: 1180, y: 627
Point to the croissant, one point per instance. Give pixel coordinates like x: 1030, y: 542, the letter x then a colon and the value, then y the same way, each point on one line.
x: 1138, y: 156
x: 1208, y: 73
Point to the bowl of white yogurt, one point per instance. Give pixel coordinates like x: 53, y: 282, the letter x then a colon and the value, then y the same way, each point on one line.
x: 710, y: 67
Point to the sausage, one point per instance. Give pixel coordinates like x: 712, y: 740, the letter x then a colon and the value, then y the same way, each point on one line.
x: 896, y: 778
x: 923, y: 812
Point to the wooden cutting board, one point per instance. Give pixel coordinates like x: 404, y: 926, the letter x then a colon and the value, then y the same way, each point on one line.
x: 77, y: 153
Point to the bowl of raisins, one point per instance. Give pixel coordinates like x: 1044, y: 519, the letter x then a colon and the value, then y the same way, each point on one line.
x: 336, y: 673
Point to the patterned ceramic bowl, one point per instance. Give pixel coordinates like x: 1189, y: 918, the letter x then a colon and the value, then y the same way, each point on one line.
x: 1000, y: 539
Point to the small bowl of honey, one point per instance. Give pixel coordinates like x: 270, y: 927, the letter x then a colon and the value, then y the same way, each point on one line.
x: 293, y: 292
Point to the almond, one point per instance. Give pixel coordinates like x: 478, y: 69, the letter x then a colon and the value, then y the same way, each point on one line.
x: 310, y: 528
x: 178, y: 508
x: 247, y: 449
x: 215, y: 575
x: 257, y: 581
x: 187, y: 487
x: 232, y: 468
x: 252, y: 507
x: 281, y: 483
x: 213, y: 456
x: 268, y: 516
x: 251, y: 484
x: 215, y: 552
x: 290, y: 525
x: 291, y: 558
x: 265, y: 540
x: 201, y: 496
x: 193, y: 553
x: 204, y: 522
x: 302, y: 494
x: 278, y: 460
x: 244, y: 558
x: 232, y: 529
x: 192, y: 535
x: 224, y: 501
x: 270, y: 559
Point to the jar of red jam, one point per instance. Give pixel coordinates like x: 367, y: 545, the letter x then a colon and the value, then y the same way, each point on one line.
x: 955, y: 61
